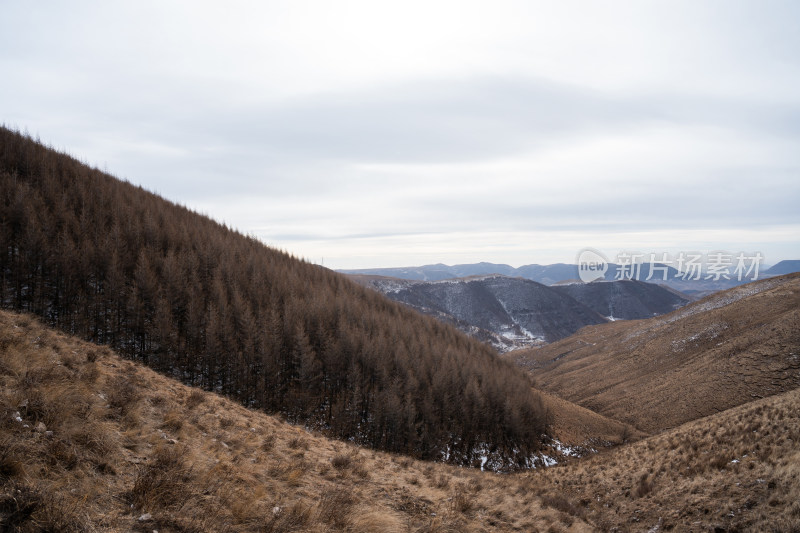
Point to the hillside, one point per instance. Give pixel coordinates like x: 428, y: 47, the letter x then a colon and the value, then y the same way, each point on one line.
x: 581, y: 429
x: 92, y: 442
x: 117, y: 265
x: 738, y: 470
x: 714, y: 354
x: 625, y: 299
x: 516, y: 311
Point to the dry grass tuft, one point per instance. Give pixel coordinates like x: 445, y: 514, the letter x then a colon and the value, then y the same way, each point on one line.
x: 194, y: 399
x: 341, y: 461
x: 297, y: 443
x: 462, y: 502
x: 285, y: 520
x: 26, y: 507
x: 643, y: 487
x: 335, y: 507
x: 164, y: 482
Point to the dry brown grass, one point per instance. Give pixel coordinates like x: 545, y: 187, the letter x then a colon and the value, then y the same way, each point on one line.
x: 122, y: 443
x: 734, y: 471
x: 574, y: 425
x: 182, y: 460
x: 723, y: 351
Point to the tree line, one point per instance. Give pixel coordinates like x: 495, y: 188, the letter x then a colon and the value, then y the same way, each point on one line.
x: 115, y: 264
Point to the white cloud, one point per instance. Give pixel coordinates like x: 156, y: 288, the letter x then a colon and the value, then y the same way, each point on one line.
x: 373, y: 133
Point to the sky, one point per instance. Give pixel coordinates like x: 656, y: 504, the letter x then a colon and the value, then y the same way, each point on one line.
x: 361, y: 134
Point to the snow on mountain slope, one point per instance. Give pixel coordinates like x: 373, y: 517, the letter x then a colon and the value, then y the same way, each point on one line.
x: 508, y: 312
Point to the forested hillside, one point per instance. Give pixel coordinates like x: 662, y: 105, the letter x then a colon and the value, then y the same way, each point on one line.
x: 115, y: 264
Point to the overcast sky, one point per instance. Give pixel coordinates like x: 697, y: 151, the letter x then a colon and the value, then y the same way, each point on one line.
x: 367, y: 134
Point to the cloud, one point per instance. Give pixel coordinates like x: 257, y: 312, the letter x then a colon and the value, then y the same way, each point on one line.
x: 460, y: 129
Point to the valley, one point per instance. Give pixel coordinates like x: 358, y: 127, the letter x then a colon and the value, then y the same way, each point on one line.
x: 163, y: 372
x: 720, y: 352
x: 512, y: 312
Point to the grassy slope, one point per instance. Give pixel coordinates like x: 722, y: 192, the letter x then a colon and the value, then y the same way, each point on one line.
x: 720, y: 352
x: 127, y: 442
x: 734, y: 471
x: 577, y: 426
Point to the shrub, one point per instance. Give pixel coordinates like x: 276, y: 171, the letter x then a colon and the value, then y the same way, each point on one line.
x: 560, y: 503
x: 195, y: 398
x: 28, y: 508
x: 643, y: 487
x: 268, y: 442
x: 341, y: 461
x: 11, y: 465
x: 461, y: 502
x: 123, y: 397
x: 297, y: 443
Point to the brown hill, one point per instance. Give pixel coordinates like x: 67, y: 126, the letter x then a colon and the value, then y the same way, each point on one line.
x: 114, y: 264
x: 585, y: 430
x: 92, y: 442
x: 733, y: 471
x: 714, y: 354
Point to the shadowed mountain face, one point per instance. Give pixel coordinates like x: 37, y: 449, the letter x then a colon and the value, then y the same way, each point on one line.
x: 625, y: 299
x: 511, y: 313
x: 714, y: 354
x: 508, y: 312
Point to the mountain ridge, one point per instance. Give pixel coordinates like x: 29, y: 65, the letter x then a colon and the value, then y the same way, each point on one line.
x: 559, y: 272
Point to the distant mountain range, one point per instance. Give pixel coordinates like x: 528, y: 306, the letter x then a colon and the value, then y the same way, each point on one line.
x: 546, y: 274
x: 563, y: 272
x: 784, y: 267
x: 511, y: 313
